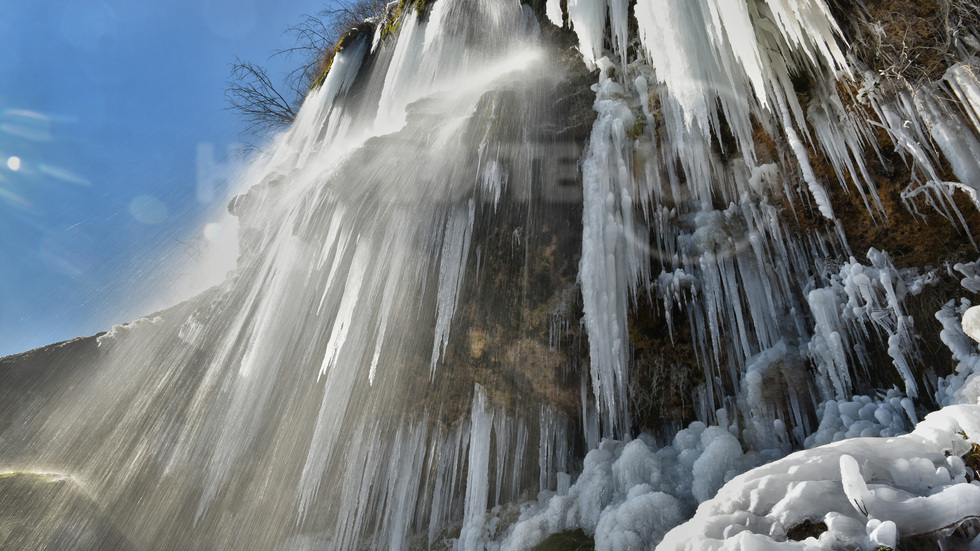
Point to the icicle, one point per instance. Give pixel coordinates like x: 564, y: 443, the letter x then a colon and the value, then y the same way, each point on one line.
x: 817, y: 190
x: 345, y: 312
x: 553, y: 11
x: 588, y: 19
x: 603, y: 269
x: 962, y: 79
x: 452, y: 264
x: 477, y: 479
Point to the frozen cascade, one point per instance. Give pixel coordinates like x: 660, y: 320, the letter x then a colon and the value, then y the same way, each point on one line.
x: 854, y: 307
x: 315, y: 399
x: 437, y: 333
x: 605, y: 268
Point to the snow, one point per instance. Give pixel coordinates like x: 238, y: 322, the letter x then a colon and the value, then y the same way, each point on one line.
x: 896, y: 486
x: 121, y: 329
x: 971, y: 322
x: 964, y: 384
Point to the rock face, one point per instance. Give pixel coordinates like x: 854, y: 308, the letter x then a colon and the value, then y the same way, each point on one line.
x: 49, y: 511
x: 33, y: 379
x: 499, y: 234
x: 895, y: 51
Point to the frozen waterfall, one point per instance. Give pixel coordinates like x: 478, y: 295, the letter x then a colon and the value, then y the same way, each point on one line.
x: 519, y: 268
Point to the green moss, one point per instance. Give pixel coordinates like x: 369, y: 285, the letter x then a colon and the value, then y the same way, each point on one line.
x: 346, y: 40
x: 569, y: 540
x: 391, y: 25
x: 636, y: 130
x: 318, y: 82
x: 422, y: 7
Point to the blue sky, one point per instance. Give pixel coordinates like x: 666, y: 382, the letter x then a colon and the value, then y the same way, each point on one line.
x: 104, y: 107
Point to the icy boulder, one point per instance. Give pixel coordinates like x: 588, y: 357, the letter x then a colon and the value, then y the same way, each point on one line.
x: 971, y: 323
x: 888, y: 415
x: 867, y: 492
x: 962, y: 386
x: 630, y: 495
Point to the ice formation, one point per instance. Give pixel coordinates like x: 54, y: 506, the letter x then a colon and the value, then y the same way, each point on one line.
x: 346, y: 387
x: 863, y: 299
x: 868, y: 492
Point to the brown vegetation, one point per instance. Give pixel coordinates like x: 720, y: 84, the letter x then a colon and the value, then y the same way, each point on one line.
x: 910, y: 41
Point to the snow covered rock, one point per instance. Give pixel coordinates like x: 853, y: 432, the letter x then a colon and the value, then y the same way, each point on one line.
x: 867, y: 491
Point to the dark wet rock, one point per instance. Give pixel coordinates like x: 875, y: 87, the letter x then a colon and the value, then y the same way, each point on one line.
x: 51, y: 511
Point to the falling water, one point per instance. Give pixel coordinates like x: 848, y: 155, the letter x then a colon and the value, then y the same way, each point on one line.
x: 430, y: 317
x: 308, y: 400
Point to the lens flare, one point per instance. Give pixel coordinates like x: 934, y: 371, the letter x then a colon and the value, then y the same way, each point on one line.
x: 148, y: 209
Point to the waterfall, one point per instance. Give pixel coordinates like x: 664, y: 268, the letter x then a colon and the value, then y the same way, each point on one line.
x: 434, y: 324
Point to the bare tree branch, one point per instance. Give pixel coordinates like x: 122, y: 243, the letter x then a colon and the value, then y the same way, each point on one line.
x: 252, y: 93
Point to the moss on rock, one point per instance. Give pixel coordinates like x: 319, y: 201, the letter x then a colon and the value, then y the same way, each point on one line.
x: 569, y: 540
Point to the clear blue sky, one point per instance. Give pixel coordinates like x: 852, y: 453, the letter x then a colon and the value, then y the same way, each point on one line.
x: 103, y: 107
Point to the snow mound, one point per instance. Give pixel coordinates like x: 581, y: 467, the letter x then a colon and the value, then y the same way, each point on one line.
x: 630, y: 494
x: 869, y: 492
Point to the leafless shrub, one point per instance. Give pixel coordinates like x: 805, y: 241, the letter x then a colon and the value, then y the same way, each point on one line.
x: 910, y: 41
x: 252, y: 93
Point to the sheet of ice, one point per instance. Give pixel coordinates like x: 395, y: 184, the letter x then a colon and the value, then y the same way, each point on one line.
x: 318, y: 106
x: 957, y: 142
x: 962, y: 79
x: 699, y: 66
x: 356, y: 233
x: 339, y: 277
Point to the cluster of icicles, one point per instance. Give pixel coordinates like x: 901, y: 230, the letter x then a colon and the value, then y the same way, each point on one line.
x: 763, y: 300
x: 361, y: 222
